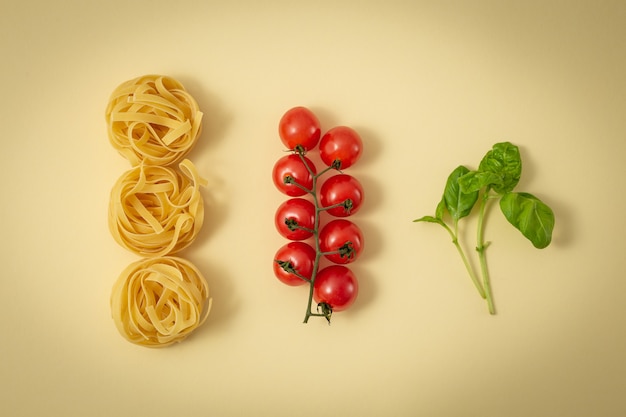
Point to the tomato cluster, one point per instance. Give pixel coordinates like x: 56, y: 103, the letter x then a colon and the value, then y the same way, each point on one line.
x: 333, y: 287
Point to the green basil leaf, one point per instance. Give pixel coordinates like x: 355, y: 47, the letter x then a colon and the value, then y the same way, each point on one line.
x: 441, y: 207
x: 429, y: 219
x: 503, y: 160
x: 458, y: 203
x: 530, y: 216
x: 474, y: 181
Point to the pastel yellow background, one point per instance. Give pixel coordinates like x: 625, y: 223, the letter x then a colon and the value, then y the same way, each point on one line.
x: 429, y: 85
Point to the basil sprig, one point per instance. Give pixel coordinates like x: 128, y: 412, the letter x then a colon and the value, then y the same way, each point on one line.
x: 497, y: 175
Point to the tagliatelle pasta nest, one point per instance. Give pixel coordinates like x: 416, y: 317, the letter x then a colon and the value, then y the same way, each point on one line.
x: 156, y: 302
x: 156, y: 211
x: 153, y: 119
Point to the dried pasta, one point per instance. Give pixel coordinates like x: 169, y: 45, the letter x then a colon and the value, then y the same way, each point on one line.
x: 156, y: 302
x: 153, y: 119
x: 156, y: 211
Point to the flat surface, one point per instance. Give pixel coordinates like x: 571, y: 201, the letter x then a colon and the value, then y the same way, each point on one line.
x: 429, y: 85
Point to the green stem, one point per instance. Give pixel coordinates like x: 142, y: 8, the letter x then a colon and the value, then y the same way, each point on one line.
x: 346, y: 205
x: 318, y: 253
x: 481, y: 247
x: 468, y: 266
x: 325, y: 170
x: 291, y: 180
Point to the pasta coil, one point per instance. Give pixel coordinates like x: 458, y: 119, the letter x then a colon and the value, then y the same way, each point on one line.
x: 156, y: 211
x: 156, y: 302
x: 153, y: 120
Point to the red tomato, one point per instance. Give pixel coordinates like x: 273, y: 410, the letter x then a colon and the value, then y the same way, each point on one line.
x: 299, y: 127
x: 339, y: 188
x: 292, y: 165
x: 338, y: 235
x: 294, y: 256
x: 341, y: 144
x: 336, y: 286
x: 297, y: 211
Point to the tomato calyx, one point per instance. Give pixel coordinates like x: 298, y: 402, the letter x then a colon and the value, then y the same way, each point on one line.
x: 347, y: 205
x: 299, y: 149
x: 288, y: 267
x: 325, y: 310
x: 344, y: 251
x: 347, y: 250
x: 293, y: 225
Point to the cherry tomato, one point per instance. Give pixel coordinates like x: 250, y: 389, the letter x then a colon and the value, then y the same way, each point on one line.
x: 336, y: 286
x: 339, y: 188
x: 292, y: 165
x: 294, y: 256
x: 299, y: 127
x: 341, y: 235
x: 341, y: 144
x: 297, y: 211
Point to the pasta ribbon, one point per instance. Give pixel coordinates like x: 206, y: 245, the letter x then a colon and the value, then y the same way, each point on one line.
x: 156, y: 302
x: 153, y: 120
x: 155, y: 210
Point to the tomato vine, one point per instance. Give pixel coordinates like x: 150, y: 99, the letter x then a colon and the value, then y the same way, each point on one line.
x: 334, y: 288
